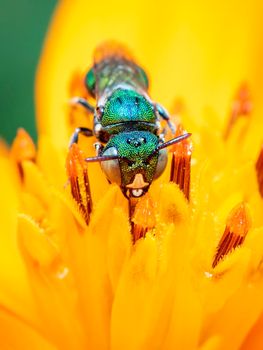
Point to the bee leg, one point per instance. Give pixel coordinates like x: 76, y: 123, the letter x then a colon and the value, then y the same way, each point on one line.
x: 75, y: 137
x: 165, y: 116
x: 83, y: 102
x: 99, y: 148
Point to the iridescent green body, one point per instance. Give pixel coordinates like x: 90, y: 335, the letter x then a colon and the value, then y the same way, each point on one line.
x: 126, y: 121
x: 125, y: 106
x: 120, y: 88
x: 114, y: 68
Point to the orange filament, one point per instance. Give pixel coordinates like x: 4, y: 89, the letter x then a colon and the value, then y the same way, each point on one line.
x: 241, y: 106
x: 142, y: 215
x: 237, y: 227
x: 259, y: 169
x: 181, y: 164
x: 79, y: 181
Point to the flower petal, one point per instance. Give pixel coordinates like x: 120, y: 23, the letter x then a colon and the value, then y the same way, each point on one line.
x: 188, y: 40
x: 15, y: 293
x: 16, y: 334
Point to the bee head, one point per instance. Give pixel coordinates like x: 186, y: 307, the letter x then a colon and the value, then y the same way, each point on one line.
x: 138, y: 162
x: 134, y: 159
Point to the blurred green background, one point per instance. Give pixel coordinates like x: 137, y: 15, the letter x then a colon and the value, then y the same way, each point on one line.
x: 23, y: 24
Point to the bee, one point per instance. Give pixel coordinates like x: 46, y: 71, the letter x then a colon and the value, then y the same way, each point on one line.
x: 131, y: 145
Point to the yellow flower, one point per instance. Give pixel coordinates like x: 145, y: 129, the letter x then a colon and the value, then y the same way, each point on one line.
x: 71, y: 276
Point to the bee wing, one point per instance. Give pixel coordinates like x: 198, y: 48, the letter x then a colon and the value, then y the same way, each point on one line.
x: 115, y: 66
x: 112, y: 50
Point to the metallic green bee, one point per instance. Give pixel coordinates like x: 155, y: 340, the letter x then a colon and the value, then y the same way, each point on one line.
x: 131, y: 148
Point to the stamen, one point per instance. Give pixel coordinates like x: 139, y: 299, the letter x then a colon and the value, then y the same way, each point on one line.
x: 22, y: 149
x: 79, y: 181
x: 259, y: 169
x: 181, y: 164
x: 142, y: 216
x: 237, y: 227
x: 241, y: 106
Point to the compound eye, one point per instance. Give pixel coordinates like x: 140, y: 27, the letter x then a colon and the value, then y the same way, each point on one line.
x: 111, y: 168
x: 90, y: 81
x: 161, y: 164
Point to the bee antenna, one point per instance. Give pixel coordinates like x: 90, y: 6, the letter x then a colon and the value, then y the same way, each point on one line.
x: 173, y: 141
x: 101, y: 158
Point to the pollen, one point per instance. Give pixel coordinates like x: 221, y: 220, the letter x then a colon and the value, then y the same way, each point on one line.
x: 142, y: 216
x: 79, y: 182
x: 181, y: 164
x: 237, y: 226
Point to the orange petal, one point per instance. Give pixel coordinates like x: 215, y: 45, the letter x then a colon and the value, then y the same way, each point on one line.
x: 15, y: 292
x: 16, y: 334
x: 185, y: 50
